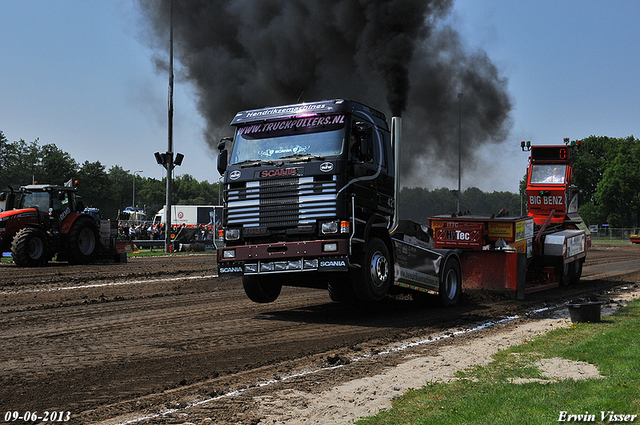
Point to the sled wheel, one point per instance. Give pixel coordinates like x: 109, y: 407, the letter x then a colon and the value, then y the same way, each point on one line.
x: 576, y: 271
x: 566, y: 272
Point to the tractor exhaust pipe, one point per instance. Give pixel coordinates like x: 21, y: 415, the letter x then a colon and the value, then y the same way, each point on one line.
x: 396, y: 138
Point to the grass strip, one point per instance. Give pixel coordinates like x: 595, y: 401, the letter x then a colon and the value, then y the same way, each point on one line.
x: 486, y: 394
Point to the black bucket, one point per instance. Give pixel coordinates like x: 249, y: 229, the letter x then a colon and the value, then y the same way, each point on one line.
x: 585, y: 312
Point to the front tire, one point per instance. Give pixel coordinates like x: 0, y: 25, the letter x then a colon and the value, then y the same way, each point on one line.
x: 451, y: 283
x: 342, y: 291
x: 262, y: 288
x: 371, y: 282
x: 83, y: 241
x: 29, y: 248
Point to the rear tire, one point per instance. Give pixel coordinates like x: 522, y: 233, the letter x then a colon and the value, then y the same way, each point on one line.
x: 29, y: 248
x: 262, y: 288
x: 83, y: 241
x: 451, y: 283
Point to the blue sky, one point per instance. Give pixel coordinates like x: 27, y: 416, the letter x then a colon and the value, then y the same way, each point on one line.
x: 78, y: 73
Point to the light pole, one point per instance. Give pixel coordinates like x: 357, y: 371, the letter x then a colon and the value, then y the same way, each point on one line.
x: 459, y: 144
x: 133, y: 201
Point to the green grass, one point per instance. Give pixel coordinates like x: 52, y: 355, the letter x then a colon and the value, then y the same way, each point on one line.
x: 614, y: 241
x: 484, y: 394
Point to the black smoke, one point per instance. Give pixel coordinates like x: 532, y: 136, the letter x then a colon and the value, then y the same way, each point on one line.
x: 393, y: 55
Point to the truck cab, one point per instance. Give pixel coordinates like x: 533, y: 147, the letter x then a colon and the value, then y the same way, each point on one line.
x: 295, y: 176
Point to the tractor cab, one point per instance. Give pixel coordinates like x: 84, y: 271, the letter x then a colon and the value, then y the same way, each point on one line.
x: 53, y: 203
x: 550, y: 196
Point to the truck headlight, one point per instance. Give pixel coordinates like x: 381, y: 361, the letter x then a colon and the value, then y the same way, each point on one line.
x: 229, y: 253
x: 330, y: 247
x: 330, y: 227
x: 232, y: 234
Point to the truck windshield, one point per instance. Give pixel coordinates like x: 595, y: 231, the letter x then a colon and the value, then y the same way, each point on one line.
x: 289, y: 138
x: 548, y: 173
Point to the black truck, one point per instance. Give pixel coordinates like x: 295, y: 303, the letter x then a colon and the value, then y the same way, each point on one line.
x: 310, y: 200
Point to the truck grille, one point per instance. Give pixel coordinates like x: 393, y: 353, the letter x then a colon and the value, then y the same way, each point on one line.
x: 282, y: 202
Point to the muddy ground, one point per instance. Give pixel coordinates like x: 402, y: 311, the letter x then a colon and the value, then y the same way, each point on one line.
x: 163, y: 340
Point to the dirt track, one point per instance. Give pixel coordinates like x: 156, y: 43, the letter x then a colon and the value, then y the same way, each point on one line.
x: 135, y: 340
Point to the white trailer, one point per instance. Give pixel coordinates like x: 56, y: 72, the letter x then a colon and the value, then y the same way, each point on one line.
x: 191, y: 215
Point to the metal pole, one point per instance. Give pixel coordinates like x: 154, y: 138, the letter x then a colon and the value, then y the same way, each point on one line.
x: 133, y: 198
x: 459, y: 145
x: 169, y: 156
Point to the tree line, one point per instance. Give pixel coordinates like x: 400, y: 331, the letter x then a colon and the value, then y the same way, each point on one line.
x: 606, y: 170
x: 111, y: 190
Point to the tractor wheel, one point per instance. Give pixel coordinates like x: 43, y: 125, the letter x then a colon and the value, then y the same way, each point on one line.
x: 30, y: 248
x: 263, y: 288
x: 371, y: 282
x: 451, y: 283
x: 83, y: 242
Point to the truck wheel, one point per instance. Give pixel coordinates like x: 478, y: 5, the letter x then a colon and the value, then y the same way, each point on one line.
x: 262, y: 289
x: 83, y: 242
x: 29, y: 248
x: 342, y: 291
x: 451, y: 283
x: 371, y: 281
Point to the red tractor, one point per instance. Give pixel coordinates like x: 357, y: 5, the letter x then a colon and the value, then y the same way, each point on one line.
x: 41, y: 221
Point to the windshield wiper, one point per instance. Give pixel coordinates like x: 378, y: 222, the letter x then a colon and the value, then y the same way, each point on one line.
x: 303, y: 156
x: 253, y: 162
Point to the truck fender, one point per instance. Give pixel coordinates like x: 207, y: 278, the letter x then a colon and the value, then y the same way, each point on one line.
x: 452, y: 253
x: 377, y: 227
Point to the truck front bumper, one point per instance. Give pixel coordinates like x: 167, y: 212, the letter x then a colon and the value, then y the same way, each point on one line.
x: 282, y: 257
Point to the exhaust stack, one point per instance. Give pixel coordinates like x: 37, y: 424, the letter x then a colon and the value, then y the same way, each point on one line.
x: 396, y: 138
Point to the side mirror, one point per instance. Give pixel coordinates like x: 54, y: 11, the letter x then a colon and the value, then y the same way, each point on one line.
x: 222, y: 145
x: 3, y: 196
x: 223, y: 156
x: 222, y: 161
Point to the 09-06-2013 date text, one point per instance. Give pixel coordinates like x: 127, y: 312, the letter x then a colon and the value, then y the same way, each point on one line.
x: 46, y: 416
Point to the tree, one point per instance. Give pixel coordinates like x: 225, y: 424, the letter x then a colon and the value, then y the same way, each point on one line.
x: 94, y: 185
x: 617, y: 192
x: 56, y: 166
